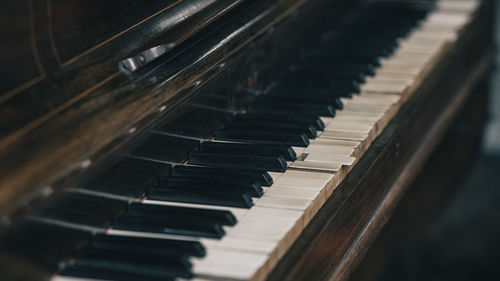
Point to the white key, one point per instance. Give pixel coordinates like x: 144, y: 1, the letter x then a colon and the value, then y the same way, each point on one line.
x: 337, y: 149
x: 228, y: 264
x: 329, y: 157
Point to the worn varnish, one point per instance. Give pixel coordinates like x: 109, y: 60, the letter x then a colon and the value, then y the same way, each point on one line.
x: 72, y: 100
x: 338, y: 237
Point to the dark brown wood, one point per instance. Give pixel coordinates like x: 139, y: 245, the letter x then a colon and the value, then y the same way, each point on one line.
x: 88, y: 109
x: 337, y: 238
x: 435, y: 186
x: 58, y: 65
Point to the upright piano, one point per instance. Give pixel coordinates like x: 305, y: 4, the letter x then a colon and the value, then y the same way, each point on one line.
x: 222, y: 139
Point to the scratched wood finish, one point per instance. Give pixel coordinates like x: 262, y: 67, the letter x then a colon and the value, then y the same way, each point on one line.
x: 437, y: 185
x: 91, y: 112
x: 61, y: 49
x: 57, y: 71
x: 335, y: 241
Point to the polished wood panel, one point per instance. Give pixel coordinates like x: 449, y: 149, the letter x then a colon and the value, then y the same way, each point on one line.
x: 75, y: 120
x: 434, y: 188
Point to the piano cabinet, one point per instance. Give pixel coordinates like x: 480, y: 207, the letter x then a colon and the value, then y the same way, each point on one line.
x: 226, y: 59
x: 430, y: 140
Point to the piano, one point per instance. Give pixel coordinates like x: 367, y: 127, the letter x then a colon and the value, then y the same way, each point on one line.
x: 222, y: 139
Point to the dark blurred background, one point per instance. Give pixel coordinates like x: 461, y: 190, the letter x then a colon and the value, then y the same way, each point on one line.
x: 447, y: 226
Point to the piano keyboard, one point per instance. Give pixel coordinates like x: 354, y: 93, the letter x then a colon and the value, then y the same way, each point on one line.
x: 223, y: 195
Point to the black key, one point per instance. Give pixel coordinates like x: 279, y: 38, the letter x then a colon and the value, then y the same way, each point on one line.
x: 148, y: 245
x: 142, y: 263
x: 127, y: 178
x: 312, y: 94
x: 319, y: 84
x: 302, y: 119
x: 117, y: 188
x: 269, y: 106
x: 142, y: 167
x: 170, y: 225
x: 82, y: 209
x: 75, y: 216
x: 330, y: 73
x: 260, y: 163
x: 170, y: 259
x: 218, y: 185
x: 357, y: 58
x: 353, y: 50
x: 249, y: 148
x: 284, y: 96
x: 323, y: 69
x: 42, y: 244
x: 201, y: 197
x: 220, y: 216
x: 271, y: 127
x: 196, y: 122
x: 262, y: 177
x: 166, y: 148
x: 262, y: 137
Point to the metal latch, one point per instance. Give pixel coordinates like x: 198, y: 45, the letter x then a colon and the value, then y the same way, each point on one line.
x: 132, y: 64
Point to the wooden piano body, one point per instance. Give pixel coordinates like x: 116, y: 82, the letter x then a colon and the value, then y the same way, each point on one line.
x: 67, y: 108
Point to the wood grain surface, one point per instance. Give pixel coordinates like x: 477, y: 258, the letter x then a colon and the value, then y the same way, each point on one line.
x: 337, y: 238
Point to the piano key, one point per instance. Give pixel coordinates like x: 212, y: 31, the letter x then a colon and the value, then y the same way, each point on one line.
x: 127, y: 177
x: 249, y: 148
x: 83, y: 209
x: 271, y: 230
x: 75, y: 216
x: 190, y: 248
x: 165, y: 148
x: 169, y: 263
x: 228, y: 264
x: 330, y: 85
x: 286, y: 97
x: 322, y: 110
x: 306, y: 126
x: 44, y: 245
x: 306, y: 120
x: 201, y: 197
x: 292, y: 193
x: 317, y: 166
x: 348, y: 57
x: 345, y: 143
x: 303, y: 179
x: 331, y: 73
x: 329, y: 67
x: 290, y: 108
x: 338, y: 149
x: 260, y: 177
x: 210, y: 184
x: 116, y: 188
x: 140, y: 167
x: 179, y: 225
x: 262, y: 137
x: 329, y: 158
x: 384, y: 87
x: 259, y: 163
x: 236, y: 211
x: 223, y: 217
x: 196, y: 122
x: 309, y: 131
x: 348, y: 126
x: 344, y: 135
